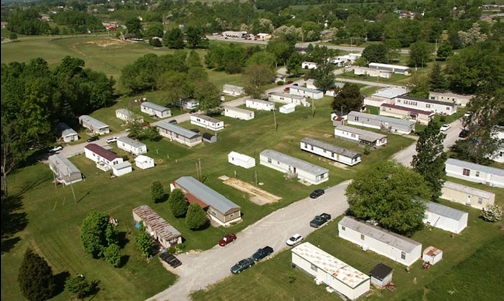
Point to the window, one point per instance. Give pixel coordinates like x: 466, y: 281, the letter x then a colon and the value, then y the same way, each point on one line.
x: 311, y: 147
x: 278, y: 162
x: 356, y: 118
x: 314, y: 267
x: 343, y: 228
x: 427, y: 105
x: 477, y: 173
x: 353, y: 135
x: 480, y: 201
x: 305, y: 145
x: 403, y: 255
x: 231, y: 215
x: 269, y: 160
x: 362, y: 236
x: 466, y: 172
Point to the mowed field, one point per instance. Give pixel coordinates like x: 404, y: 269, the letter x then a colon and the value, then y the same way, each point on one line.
x: 54, y: 216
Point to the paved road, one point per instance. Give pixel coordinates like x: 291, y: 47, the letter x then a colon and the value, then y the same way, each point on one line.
x: 364, y: 82
x: 279, y: 226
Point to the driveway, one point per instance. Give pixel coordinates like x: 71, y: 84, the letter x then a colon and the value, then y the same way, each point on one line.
x: 213, y: 265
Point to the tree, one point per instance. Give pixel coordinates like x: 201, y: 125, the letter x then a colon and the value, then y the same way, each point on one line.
x: 196, y: 37
x: 174, y: 39
x: 97, y: 234
x: 193, y: 60
x: 174, y: 84
x: 376, y: 53
x: 430, y: 159
x: 394, y: 50
x: 113, y: 255
x: 79, y: 287
x: 256, y: 77
x: 348, y: 98
x: 134, y: 26
x: 419, y: 86
x: 154, y: 30
x: 157, y: 191
x: 391, y: 194
x: 262, y: 58
x: 324, y: 77
x: 208, y: 96
x: 445, y: 50
x: 144, y: 242
x: 492, y: 213
x: 437, y: 80
x: 472, y: 36
x: 177, y: 202
x: 294, y: 63
x: 282, y: 50
x: 36, y: 278
x: 196, y: 217
x: 419, y: 54
x: 155, y: 42
x: 13, y: 36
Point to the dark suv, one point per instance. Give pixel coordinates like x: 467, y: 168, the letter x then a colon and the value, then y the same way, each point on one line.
x: 316, y: 193
x: 93, y: 138
x: 319, y: 220
x: 261, y: 253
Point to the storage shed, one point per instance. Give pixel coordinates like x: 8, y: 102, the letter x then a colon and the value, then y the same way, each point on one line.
x: 466, y: 195
x: 432, y: 255
x: 122, y: 169
x: 331, y: 271
x: 446, y: 218
x: 241, y: 160
x: 144, y: 162
x: 381, y: 275
x: 288, y: 108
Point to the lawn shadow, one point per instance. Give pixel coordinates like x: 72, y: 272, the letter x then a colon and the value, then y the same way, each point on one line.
x: 13, y: 221
x: 162, y: 199
x: 85, y: 195
x: 9, y: 244
x: 122, y: 239
x: 124, y: 261
x: 33, y: 184
x: 60, y: 280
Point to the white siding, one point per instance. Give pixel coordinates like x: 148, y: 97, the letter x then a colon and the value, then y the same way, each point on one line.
x: 238, y: 113
x: 259, y: 105
x: 241, y: 160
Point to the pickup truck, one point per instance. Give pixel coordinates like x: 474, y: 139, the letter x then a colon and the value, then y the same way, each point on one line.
x: 319, y: 220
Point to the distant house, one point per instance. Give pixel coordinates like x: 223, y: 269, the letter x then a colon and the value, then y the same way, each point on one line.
x: 157, y: 226
x: 261, y: 105
x: 144, y: 162
x: 310, y: 83
x: 309, y: 65
x: 361, y: 136
x: 128, y: 116
x: 207, y: 122
x: 394, y: 246
x: 458, y: 99
x: 263, y: 36
x: 104, y: 159
x: 209, y: 138
x: 331, y: 271
x: 238, y: 113
x: 347, y: 59
x: 66, y: 133
x: 294, y: 167
x: 189, y: 103
x: 93, y: 125
x: 241, y: 160
x: 333, y: 91
x: 233, y: 90
x: 381, y: 275
x: 234, y: 34
x: 287, y: 98
x: 391, y: 68
x: 121, y: 169
x: 385, y: 95
x: 131, y: 146
x: 466, y: 195
x: 420, y: 116
x: 472, y: 172
x: 389, y: 124
x: 179, y: 134
x: 438, y: 107
x: 64, y: 171
x: 218, y: 208
x: 329, y: 151
x: 365, y: 71
x: 446, y: 218
x: 288, y: 108
x: 306, y: 92
x: 156, y: 110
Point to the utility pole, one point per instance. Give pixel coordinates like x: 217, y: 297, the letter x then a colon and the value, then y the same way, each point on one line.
x: 313, y: 107
x: 274, y: 119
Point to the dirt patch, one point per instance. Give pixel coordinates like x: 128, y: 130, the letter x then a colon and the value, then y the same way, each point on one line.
x: 107, y: 43
x: 258, y: 196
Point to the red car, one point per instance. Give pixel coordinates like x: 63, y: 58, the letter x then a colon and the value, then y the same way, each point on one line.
x: 227, y: 239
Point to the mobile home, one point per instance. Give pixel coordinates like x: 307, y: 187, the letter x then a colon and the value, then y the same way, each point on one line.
x: 329, y: 151
x: 361, y: 136
x: 64, y: 171
x: 446, y: 218
x: 241, y: 160
x: 238, y: 113
x: 104, y: 158
x: 233, y: 90
x: 179, y: 134
x: 385, y: 95
x: 93, y: 125
x: 286, y: 98
x: 466, y: 195
x: 391, y: 68
x: 66, y: 133
x: 157, y: 226
x: 128, y: 116
x: 306, y: 92
x: 393, y: 125
x: 261, y: 105
x: 309, y: 65
x: 207, y: 122
x: 458, y: 99
x: 416, y: 115
x: 156, y: 110
x: 438, y: 107
x: 473, y: 172
x: 131, y: 146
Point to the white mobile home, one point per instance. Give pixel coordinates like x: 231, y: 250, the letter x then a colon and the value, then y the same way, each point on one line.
x: 473, y: 172
x: 233, y: 90
x: 179, y: 134
x: 238, y: 113
x: 343, y: 60
x: 393, y: 125
x: 288, y: 108
x: 391, y: 68
x: 128, y: 116
x: 458, y: 99
x: 407, y: 113
x: 144, y: 162
x: 331, y: 271
x: 371, y: 72
x: 331, y: 152
x: 287, y: 98
x: 261, y: 105
x: 294, y: 167
x: 309, y: 65
x: 122, y: 169
x: 104, y: 159
x: 66, y: 133
x: 306, y: 92
x: 64, y: 171
x: 241, y: 160
x: 157, y: 226
x: 156, y: 110
x: 446, y: 218
x: 466, y: 195
x: 234, y: 34
x: 385, y: 95
x: 93, y: 125
x: 188, y: 103
x: 131, y: 146
x: 361, y: 136
x: 438, y: 107
x: 381, y: 275
x: 207, y: 122
x: 381, y: 241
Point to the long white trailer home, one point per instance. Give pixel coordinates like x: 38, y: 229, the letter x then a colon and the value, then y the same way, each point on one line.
x: 466, y: 195
x: 156, y: 110
x: 473, y: 172
x: 131, y: 145
x: 438, y: 107
x: 287, y: 98
x: 361, y: 136
x: 306, y: 92
x: 390, y: 124
x: 261, y: 105
x: 238, y: 113
x: 330, y: 151
x: 207, y: 122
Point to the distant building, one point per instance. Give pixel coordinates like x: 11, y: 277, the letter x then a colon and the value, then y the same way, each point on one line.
x: 391, y: 68
x: 93, y: 125
x: 64, y: 171
x: 66, y: 133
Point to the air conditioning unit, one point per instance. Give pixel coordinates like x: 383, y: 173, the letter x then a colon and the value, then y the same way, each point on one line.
x: 364, y: 247
x: 318, y: 281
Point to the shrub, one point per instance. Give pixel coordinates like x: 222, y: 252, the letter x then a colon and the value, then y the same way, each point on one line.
x: 492, y: 213
x: 367, y: 150
x: 196, y: 217
x: 280, y: 82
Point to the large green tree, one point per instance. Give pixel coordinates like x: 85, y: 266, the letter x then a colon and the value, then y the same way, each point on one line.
x: 437, y: 79
x: 157, y: 191
x: 294, y: 63
x: 390, y: 194
x: 113, y: 255
x: 177, y: 202
x: 174, y: 39
x: 348, y: 98
x: 195, y: 217
x: 134, y: 26
x: 208, y: 96
x: 195, y: 37
x: 445, y: 50
x: 36, y: 278
x: 256, y: 79
x: 79, y: 287
x: 97, y: 234
x: 430, y: 158
x: 323, y: 75
x: 376, y: 53
x: 420, y: 54
x: 144, y: 242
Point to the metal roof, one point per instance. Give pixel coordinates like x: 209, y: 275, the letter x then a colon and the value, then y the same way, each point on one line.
x: 232, y: 87
x: 95, y: 123
x: 469, y: 190
x: 330, y: 147
x: 261, y: 101
x: 126, y: 113
x: 241, y: 157
x: 447, y: 94
x: 236, y: 109
x: 155, y: 106
x: 364, y: 135
x: 391, y: 92
x: 381, y: 271
x: 474, y: 166
x: 63, y: 165
x: 132, y: 142
x: 378, y: 65
x: 206, y: 194
x: 100, y: 151
x: 205, y: 117
x: 177, y: 130
x: 156, y: 222
x: 444, y: 103
x: 387, y: 237
x: 445, y: 211
x: 122, y: 165
x: 287, y: 95
x: 382, y: 118
x: 65, y: 129
x: 410, y: 110
x: 295, y: 162
x: 305, y: 89
x: 330, y: 264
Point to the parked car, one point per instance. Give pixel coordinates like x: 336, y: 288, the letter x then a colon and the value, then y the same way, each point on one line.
x: 56, y: 149
x: 287, y: 89
x: 316, y: 193
x: 112, y: 140
x: 242, y: 265
x: 319, y: 220
x: 464, y: 133
x: 261, y: 253
x: 173, y: 121
x: 294, y: 239
x: 227, y: 239
x: 289, y: 82
x: 93, y: 138
x: 445, y: 127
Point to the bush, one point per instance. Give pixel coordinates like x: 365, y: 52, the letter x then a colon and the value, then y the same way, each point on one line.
x: 367, y: 150
x: 492, y: 213
x: 442, y: 118
x: 196, y: 217
x: 280, y: 82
